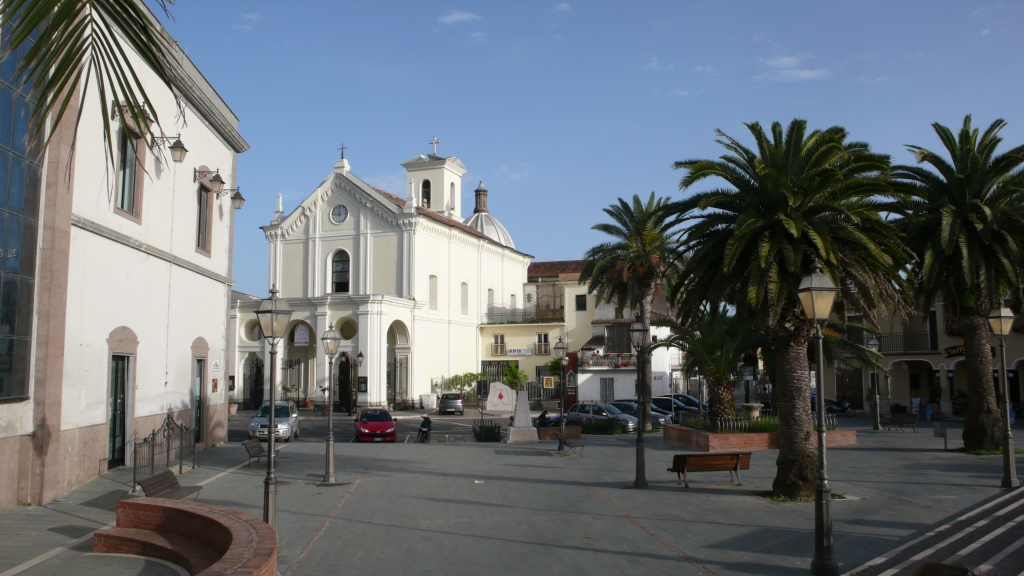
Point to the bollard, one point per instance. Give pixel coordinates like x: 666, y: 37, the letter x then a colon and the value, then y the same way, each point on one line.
x: 940, y: 430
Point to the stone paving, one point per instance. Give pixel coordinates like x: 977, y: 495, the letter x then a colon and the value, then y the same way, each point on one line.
x: 472, y: 508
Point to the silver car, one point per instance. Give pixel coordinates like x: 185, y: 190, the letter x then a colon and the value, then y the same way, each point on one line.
x: 593, y: 412
x: 286, y: 419
x: 451, y: 403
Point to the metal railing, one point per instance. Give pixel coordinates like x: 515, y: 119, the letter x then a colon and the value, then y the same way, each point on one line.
x: 524, y: 317
x: 901, y: 342
x: 497, y: 349
x: 169, y: 444
x: 739, y: 423
x: 591, y: 360
x: 542, y: 348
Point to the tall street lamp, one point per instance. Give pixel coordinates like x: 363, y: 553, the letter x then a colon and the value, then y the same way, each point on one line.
x: 1001, y: 321
x: 817, y: 292
x: 638, y: 337
x: 873, y: 346
x: 560, y: 349
x: 273, y: 317
x: 331, y: 339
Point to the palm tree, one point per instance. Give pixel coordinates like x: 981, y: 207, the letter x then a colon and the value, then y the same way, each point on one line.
x: 798, y: 198
x: 965, y: 223
x: 714, y: 343
x: 627, y: 270
x: 75, y: 45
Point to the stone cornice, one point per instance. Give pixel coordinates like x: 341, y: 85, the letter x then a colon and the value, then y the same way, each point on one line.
x: 126, y: 240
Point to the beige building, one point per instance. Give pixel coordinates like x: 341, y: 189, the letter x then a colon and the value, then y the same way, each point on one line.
x: 925, y: 359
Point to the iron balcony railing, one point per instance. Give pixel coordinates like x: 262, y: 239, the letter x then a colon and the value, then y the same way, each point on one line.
x: 902, y: 342
x: 542, y: 348
x: 592, y: 360
x: 524, y: 317
x: 497, y: 349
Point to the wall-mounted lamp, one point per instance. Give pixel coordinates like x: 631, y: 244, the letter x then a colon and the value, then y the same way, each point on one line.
x: 178, y: 150
x: 217, y: 186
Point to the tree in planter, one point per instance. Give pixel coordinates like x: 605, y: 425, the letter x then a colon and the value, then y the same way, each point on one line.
x: 714, y: 343
x: 514, y: 377
x: 799, y: 197
x: 964, y: 221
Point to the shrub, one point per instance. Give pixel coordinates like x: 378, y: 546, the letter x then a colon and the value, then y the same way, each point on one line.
x: 489, y: 431
x: 605, y: 426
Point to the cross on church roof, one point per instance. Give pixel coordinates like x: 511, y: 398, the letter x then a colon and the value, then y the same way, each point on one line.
x: 434, y: 143
x: 343, y: 148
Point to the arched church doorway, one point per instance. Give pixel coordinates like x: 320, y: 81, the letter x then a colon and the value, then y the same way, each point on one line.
x: 397, y: 378
x: 252, y: 383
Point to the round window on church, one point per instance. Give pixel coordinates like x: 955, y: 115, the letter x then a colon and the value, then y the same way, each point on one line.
x: 339, y: 214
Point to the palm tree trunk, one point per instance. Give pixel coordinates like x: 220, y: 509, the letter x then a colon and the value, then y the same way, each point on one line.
x: 645, y: 373
x: 720, y: 401
x: 796, y: 472
x: 983, y: 422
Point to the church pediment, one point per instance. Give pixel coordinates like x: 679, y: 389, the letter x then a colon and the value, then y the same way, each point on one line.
x: 384, y: 206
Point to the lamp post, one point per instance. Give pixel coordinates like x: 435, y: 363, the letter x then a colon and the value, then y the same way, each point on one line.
x: 273, y: 318
x: 638, y: 337
x: 817, y: 292
x: 560, y: 349
x: 355, y: 389
x: 1001, y: 321
x: 331, y: 339
x: 873, y: 346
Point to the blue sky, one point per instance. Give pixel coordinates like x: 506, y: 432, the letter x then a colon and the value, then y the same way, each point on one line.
x: 563, y: 107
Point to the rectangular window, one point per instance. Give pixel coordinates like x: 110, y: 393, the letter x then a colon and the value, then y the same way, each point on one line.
x: 581, y: 302
x: 203, y: 202
x: 617, y: 340
x: 498, y: 345
x: 433, y: 293
x: 465, y: 299
x: 542, y: 346
x: 126, y: 173
x: 19, y: 216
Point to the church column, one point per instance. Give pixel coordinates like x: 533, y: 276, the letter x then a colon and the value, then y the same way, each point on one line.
x: 373, y: 344
x: 323, y: 376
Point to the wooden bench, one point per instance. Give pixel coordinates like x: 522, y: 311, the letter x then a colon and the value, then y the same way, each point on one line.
x: 712, y: 461
x: 902, y: 420
x: 256, y: 450
x: 201, y: 538
x: 164, y: 484
x: 565, y: 447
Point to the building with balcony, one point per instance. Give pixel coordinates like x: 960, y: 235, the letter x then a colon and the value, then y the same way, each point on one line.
x: 924, y: 354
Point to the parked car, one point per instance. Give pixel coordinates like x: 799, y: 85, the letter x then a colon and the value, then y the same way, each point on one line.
x: 451, y: 403
x: 592, y: 412
x: 658, y: 417
x: 286, y: 420
x: 375, y: 425
x: 677, y: 407
x: 690, y: 401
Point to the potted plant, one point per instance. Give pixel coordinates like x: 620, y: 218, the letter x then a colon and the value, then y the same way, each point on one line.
x: 307, y: 403
x: 232, y: 407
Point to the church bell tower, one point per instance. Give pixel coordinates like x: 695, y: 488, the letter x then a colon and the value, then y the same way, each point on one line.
x: 435, y: 182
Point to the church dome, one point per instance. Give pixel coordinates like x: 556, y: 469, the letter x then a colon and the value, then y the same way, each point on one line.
x: 483, y: 222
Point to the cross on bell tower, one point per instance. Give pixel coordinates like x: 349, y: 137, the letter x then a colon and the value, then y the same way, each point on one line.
x: 434, y: 143
x: 343, y: 148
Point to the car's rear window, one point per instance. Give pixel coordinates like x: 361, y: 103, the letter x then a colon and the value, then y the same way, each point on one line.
x: 279, y: 412
x: 612, y: 410
x: 375, y: 416
x: 451, y: 397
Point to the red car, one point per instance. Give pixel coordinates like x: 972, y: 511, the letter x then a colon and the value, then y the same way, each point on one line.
x: 375, y: 425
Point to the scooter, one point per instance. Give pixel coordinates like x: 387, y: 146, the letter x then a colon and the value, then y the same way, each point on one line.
x: 424, y: 434
x: 840, y: 406
x: 543, y: 421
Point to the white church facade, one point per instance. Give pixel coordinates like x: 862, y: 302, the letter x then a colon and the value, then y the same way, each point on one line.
x: 405, y: 281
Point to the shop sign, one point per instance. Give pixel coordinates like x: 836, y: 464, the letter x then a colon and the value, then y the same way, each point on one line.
x: 520, y: 351
x: 953, y: 351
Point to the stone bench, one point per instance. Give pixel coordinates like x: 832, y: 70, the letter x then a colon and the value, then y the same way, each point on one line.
x: 201, y: 538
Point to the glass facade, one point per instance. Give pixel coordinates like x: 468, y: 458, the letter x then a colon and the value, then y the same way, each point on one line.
x: 19, y: 224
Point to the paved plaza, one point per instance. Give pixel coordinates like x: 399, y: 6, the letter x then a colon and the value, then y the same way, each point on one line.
x: 476, y: 508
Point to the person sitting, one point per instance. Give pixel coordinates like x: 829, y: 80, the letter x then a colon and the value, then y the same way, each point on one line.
x: 959, y: 401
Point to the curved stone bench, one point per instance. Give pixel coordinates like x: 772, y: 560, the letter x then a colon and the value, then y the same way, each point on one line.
x: 201, y: 538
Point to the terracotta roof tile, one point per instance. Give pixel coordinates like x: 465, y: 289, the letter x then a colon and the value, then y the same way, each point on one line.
x: 389, y: 196
x: 549, y: 269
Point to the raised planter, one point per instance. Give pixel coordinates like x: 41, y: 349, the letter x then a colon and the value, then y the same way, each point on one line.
x: 701, y: 441
x: 549, y: 433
